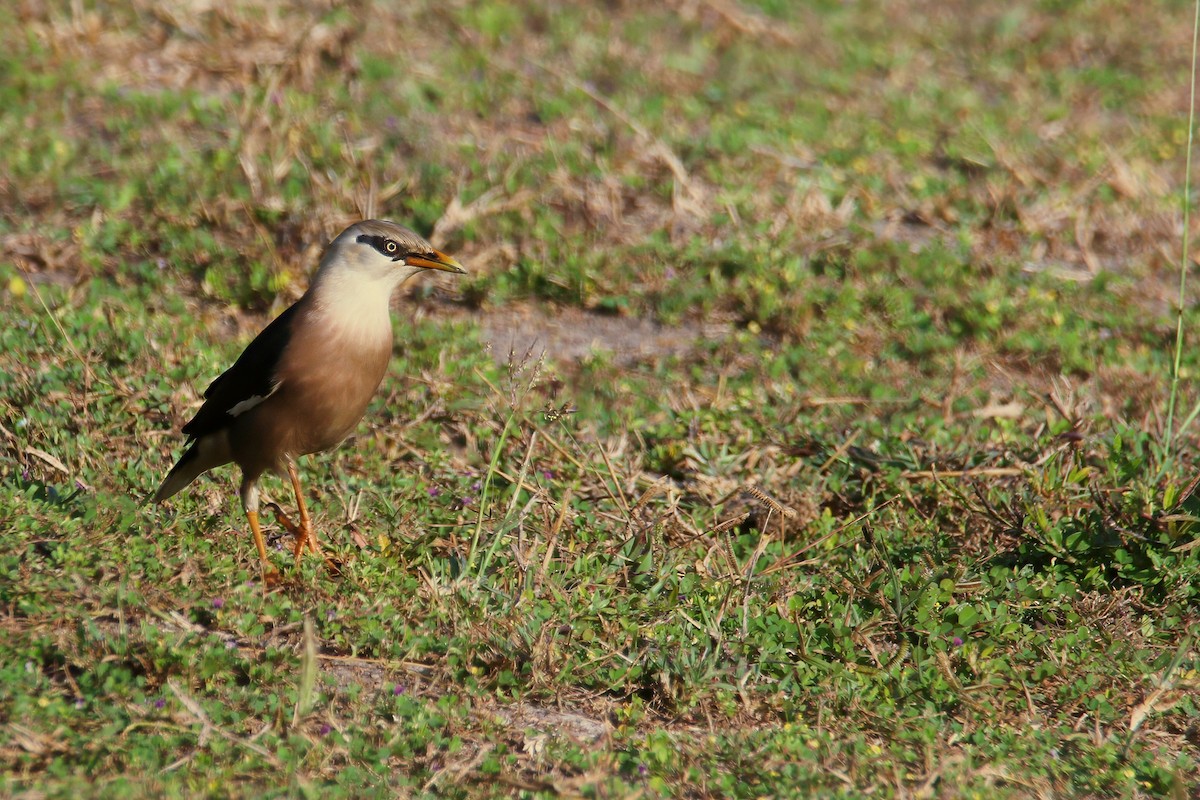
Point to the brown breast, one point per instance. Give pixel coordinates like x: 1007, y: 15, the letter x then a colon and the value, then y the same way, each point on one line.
x: 327, y: 379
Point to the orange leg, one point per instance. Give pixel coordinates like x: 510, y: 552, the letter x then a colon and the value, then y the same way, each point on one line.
x: 304, y: 533
x: 291, y: 527
x: 269, y: 575
x: 284, y: 520
x: 307, y: 536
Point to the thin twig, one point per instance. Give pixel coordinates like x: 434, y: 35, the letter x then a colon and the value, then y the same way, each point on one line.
x: 989, y: 472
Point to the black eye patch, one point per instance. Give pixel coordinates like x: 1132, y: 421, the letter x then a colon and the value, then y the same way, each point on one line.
x: 384, y: 245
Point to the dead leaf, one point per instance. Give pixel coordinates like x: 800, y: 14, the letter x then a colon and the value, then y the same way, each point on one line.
x: 49, y: 459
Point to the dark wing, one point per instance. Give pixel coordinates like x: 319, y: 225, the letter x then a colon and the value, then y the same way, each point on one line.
x: 248, y: 382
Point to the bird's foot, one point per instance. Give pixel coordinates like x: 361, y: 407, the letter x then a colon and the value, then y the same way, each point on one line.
x: 304, y: 538
x: 284, y: 520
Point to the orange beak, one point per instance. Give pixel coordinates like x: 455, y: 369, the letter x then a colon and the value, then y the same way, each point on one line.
x: 436, y: 260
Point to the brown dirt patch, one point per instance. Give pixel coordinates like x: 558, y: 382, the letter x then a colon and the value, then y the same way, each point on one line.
x: 571, y: 334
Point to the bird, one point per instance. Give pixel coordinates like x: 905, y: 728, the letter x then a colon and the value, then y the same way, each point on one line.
x: 303, y: 384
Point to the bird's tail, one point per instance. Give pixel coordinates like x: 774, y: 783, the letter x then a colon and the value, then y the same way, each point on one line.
x: 204, y: 454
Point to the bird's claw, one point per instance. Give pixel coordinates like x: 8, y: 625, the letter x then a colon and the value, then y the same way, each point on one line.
x: 298, y: 531
x: 303, y: 538
x: 283, y: 519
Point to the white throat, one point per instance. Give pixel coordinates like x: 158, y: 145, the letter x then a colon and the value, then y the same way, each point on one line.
x: 354, y: 307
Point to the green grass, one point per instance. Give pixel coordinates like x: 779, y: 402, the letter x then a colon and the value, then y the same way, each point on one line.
x: 928, y: 259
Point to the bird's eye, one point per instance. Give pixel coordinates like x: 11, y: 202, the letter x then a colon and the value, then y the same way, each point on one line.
x: 390, y: 246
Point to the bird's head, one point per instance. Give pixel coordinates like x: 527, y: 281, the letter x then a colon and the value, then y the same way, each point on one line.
x: 380, y: 251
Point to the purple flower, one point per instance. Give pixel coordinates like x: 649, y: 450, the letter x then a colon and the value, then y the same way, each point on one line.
x: 956, y: 641
x: 325, y: 729
x: 160, y: 704
x: 643, y: 770
x: 79, y: 702
x: 218, y: 602
x: 476, y: 486
x: 434, y: 491
x: 548, y: 474
x: 330, y: 614
x: 398, y: 689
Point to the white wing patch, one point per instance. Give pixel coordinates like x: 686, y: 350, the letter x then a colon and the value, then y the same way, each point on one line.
x: 251, y: 402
